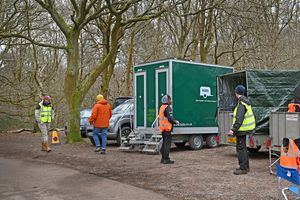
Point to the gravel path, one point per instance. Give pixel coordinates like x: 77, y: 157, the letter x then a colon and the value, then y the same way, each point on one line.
x: 205, y: 174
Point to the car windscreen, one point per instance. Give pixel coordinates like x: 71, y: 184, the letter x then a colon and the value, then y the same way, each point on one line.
x: 125, y: 107
x: 119, y: 101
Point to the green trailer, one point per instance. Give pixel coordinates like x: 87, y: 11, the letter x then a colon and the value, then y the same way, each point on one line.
x: 192, y: 87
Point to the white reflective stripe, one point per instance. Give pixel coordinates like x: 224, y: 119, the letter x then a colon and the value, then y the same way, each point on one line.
x: 246, y: 125
x: 248, y: 116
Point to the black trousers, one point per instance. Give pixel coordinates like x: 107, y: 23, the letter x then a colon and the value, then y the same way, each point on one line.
x: 242, y: 153
x: 166, y: 145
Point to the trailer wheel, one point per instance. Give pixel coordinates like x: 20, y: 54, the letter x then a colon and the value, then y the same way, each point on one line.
x: 211, y: 141
x: 179, y: 144
x: 196, y: 142
x: 254, y: 150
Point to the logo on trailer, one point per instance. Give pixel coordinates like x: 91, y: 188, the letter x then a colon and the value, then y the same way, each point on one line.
x: 205, y: 92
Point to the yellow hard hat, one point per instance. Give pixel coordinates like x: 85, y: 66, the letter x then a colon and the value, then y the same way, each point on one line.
x: 99, y: 97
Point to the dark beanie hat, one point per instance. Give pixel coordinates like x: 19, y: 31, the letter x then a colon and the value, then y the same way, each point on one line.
x: 240, y: 89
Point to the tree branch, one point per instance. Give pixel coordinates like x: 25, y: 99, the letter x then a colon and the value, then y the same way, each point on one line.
x: 59, y: 20
x: 31, y: 40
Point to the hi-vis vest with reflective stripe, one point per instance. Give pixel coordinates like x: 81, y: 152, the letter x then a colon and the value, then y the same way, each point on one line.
x: 290, y: 158
x: 164, y: 124
x: 45, y: 113
x: 249, y: 119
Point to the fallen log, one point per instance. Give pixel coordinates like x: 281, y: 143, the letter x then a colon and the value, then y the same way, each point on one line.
x: 21, y: 130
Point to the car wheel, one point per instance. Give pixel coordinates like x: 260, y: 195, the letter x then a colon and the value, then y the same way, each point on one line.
x: 179, y: 144
x: 93, y: 141
x: 196, y: 142
x: 125, y: 131
x: 211, y: 141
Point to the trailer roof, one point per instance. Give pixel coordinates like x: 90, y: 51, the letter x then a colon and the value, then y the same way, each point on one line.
x: 182, y: 61
x: 260, y: 70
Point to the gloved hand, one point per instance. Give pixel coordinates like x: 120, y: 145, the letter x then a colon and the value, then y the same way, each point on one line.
x: 177, y: 122
x: 231, y: 133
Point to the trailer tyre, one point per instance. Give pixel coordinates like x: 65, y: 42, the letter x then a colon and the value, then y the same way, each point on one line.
x: 211, y: 141
x: 254, y: 150
x: 196, y: 142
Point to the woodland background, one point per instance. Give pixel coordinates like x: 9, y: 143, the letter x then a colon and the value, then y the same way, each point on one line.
x: 73, y: 50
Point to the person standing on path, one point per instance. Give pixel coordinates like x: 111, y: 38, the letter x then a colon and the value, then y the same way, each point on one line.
x: 166, y: 122
x: 243, y: 125
x: 44, y: 115
x: 100, y: 117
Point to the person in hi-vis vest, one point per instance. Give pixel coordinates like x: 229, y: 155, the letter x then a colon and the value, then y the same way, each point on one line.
x: 243, y: 124
x: 44, y: 115
x: 166, y: 122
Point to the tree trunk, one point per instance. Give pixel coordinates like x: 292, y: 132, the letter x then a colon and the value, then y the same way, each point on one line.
x: 73, y: 96
x: 74, y: 121
x: 106, y: 76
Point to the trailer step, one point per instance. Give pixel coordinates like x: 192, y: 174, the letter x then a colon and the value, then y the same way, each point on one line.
x: 136, y: 142
x: 149, y: 151
x: 152, y: 143
x: 157, y: 136
x: 125, y: 148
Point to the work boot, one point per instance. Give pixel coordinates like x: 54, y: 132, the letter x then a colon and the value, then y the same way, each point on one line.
x: 97, y: 149
x: 168, y: 161
x: 247, y: 169
x: 240, y: 172
x: 47, y: 147
x: 43, y: 147
x: 103, y: 151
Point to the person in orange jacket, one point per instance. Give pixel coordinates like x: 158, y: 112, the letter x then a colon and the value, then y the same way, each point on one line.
x: 166, y: 122
x: 100, y: 117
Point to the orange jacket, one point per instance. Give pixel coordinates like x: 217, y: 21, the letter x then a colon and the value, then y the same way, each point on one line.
x: 164, y: 124
x: 101, y: 114
x: 290, y: 159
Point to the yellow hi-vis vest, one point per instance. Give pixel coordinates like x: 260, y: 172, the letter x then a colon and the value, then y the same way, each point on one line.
x: 249, y: 119
x: 45, y: 113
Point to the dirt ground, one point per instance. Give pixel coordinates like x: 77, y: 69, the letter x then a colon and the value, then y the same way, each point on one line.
x: 205, y: 174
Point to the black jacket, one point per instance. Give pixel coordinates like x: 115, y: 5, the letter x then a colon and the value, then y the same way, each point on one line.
x: 169, y: 114
x: 241, y: 111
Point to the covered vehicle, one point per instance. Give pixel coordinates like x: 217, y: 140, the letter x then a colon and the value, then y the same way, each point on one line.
x: 269, y: 91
